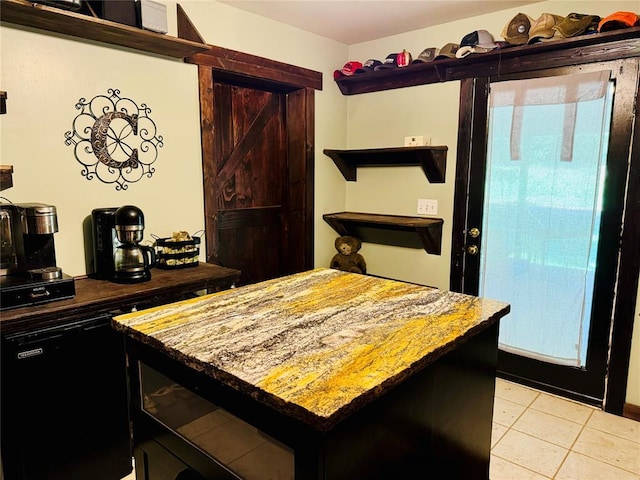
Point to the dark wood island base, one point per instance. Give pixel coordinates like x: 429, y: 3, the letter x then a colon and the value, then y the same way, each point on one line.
x: 437, y: 421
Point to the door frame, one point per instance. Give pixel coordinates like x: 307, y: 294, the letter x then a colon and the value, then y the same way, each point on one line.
x: 298, y: 85
x: 624, y: 143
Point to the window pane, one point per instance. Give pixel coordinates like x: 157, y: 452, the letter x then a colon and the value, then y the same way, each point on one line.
x: 541, y: 218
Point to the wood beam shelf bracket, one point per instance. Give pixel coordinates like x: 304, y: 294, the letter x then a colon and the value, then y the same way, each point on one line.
x: 6, y: 176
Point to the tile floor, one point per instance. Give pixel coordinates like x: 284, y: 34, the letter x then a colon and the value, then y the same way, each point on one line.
x: 538, y: 436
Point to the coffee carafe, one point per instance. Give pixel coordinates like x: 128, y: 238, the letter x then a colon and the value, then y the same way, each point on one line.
x: 132, y: 261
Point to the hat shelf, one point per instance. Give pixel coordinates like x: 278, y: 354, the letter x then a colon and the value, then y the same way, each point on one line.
x: 395, y: 230
x: 611, y: 45
x: 433, y: 160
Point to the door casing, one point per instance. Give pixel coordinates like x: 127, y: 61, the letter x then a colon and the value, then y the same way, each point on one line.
x: 621, y: 212
x: 297, y: 85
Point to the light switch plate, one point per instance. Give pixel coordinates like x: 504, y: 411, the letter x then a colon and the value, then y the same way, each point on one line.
x: 414, y: 141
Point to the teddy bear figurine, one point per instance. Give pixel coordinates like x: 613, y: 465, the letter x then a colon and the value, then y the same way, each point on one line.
x: 348, y: 259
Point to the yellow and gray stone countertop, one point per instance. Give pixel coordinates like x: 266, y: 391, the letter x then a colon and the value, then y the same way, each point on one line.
x: 315, y: 345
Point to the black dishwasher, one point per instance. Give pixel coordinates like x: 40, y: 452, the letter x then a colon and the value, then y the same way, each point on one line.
x: 64, y: 403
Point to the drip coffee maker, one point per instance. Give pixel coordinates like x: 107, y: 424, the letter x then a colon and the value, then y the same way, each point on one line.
x: 132, y: 261
x: 105, y: 242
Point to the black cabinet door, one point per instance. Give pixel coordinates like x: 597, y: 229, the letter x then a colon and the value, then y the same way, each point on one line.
x: 65, y: 404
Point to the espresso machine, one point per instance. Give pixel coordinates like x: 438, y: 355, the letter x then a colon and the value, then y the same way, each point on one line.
x: 28, y: 271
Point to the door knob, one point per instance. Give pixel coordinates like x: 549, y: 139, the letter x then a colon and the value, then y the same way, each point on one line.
x: 474, y: 232
x: 472, y: 249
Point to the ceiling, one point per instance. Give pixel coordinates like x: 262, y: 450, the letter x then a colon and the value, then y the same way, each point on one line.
x: 356, y: 21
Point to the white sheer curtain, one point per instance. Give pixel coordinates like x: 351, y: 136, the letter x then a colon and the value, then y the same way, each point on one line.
x: 567, y: 90
x: 547, y: 141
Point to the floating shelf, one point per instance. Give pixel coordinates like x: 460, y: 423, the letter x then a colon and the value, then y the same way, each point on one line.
x: 433, y: 160
x: 396, y: 230
x: 6, y: 176
x: 77, y: 25
x: 612, y: 45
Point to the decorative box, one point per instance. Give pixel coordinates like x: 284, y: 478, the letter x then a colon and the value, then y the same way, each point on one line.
x: 153, y: 16
x: 173, y: 253
x: 66, y: 4
x: 119, y: 11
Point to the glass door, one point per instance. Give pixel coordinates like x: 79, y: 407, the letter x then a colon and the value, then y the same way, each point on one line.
x: 539, y: 209
x: 546, y: 151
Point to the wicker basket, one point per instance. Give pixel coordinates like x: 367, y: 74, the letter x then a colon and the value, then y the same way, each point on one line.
x: 177, y: 254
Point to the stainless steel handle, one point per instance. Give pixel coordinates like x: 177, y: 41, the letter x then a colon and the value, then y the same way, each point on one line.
x: 36, y: 295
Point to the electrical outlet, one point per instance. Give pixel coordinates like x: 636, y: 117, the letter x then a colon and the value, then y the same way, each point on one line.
x: 414, y: 141
x: 427, y: 206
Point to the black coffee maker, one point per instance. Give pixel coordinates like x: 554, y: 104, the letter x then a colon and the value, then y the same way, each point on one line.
x: 105, y: 241
x: 117, y: 255
x: 131, y: 261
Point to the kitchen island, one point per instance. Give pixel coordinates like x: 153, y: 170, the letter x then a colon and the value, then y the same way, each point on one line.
x: 317, y: 375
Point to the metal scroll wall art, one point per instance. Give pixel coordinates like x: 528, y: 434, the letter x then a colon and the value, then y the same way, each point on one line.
x: 114, y: 139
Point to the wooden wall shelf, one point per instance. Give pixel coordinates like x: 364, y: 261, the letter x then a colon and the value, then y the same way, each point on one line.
x: 613, y: 45
x: 6, y: 176
x: 433, y: 160
x: 35, y: 15
x: 396, y: 230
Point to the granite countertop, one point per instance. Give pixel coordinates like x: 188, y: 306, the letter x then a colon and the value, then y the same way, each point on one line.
x: 315, y: 345
x: 95, y: 297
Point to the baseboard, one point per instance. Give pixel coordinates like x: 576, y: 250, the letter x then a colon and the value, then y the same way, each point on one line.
x: 631, y: 411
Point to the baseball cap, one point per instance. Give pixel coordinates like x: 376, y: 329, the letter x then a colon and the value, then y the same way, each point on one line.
x: 348, y: 70
x: 369, y: 65
x: 576, y: 24
x: 618, y: 20
x: 542, y: 28
x: 427, y: 55
x: 447, y: 51
x: 516, y: 32
x: 478, y: 38
x: 391, y: 61
x: 479, y: 41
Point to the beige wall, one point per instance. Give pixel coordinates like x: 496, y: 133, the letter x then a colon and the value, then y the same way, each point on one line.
x: 383, y: 119
x: 229, y: 27
x: 45, y: 75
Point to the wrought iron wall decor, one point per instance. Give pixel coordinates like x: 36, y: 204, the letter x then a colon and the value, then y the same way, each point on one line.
x: 114, y: 139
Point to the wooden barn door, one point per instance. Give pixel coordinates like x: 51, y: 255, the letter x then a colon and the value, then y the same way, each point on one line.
x: 249, y: 203
x: 257, y: 138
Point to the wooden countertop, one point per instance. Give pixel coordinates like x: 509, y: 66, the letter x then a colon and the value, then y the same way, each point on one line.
x: 315, y: 345
x: 99, y: 296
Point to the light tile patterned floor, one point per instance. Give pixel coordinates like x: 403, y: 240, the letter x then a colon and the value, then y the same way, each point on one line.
x: 538, y: 436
